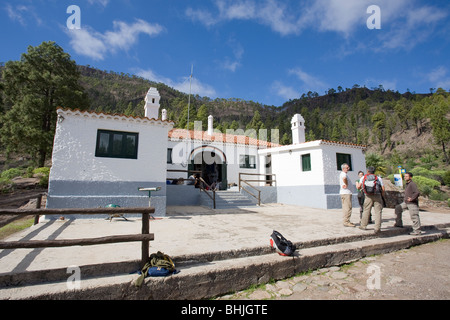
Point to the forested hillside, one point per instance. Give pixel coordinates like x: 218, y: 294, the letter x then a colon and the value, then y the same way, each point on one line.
x: 392, y: 124
x: 381, y: 119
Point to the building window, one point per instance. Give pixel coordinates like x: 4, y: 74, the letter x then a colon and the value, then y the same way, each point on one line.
x: 247, y: 162
x: 116, y: 144
x: 306, y: 162
x: 342, y: 158
x: 169, y: 156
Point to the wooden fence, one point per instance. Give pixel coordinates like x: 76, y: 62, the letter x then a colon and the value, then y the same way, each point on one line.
x: 144, y: 237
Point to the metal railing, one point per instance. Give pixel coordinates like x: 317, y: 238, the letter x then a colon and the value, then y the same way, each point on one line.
x: 145, y: 237
x: 206, y: 190
x: 246, y: 181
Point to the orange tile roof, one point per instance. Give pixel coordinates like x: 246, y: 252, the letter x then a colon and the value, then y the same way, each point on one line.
x: 345, y: 143
x: 220, y: 137
x: 112, y: 115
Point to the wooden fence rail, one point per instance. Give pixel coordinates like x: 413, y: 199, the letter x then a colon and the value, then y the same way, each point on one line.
x: 144, y: 237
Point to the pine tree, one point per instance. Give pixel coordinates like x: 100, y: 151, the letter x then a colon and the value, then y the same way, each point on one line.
x: 45, y: 78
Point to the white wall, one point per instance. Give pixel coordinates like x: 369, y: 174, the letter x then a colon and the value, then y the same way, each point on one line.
x: 79, y: 179
x: 75, y: 143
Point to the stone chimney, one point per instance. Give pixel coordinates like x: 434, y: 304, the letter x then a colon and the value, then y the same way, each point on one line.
x: 210, y: 125
x: 152, y: 104
x: 298, y: 129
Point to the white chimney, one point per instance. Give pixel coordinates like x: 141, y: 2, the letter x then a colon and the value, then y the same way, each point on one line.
x: 164, y: 115
x: 152, y: 104
x: 298, y: 129
x: 210, y: 125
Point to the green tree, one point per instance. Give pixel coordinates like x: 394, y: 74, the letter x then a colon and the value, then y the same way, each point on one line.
x: 202, y: 115
x: 440, y: 124
x: 376, y: 161
x: 45, y: 78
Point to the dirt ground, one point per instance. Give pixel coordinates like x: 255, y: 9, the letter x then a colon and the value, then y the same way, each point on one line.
x: 23, y: 196
x: 418, y: 273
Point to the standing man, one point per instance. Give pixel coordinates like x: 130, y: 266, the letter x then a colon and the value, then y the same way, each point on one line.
x: 346, y: 195
x: 373, y: 190
x: 411, y: 203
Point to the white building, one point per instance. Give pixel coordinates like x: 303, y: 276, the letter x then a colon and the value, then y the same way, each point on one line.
x: 100, y: 159
x: 307, y: 173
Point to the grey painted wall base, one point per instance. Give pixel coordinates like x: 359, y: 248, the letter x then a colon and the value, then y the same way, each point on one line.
x: 321, y: 197
x: 268, y: 194
x: 159, y: 203
x: 183, y: 195
x: 99, y: 194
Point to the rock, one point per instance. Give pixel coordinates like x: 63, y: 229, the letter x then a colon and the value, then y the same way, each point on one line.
x: 299, y: 287
x: 395, y: 280
x: 260, y: 295
x: 339, y: 275
x: 282, y: 285
x: 285, y: 292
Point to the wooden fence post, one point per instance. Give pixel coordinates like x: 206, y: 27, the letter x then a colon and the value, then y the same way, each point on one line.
x: 38, y: 206
x: 145, y: 243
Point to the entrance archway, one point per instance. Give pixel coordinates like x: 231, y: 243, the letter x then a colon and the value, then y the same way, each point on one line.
x: 212, y: 162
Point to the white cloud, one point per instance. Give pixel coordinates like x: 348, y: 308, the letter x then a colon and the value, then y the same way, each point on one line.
x: 22, y: 14
x: 233, y: 63
x: 182, y: 84
x: 387, y: 84
x: 404, y: 23
x: 415, y: 26
x: 439, y: 78
x: 88, y: 42
x: 284, y: 91
x: 309, y: 82
x: 103, y: 3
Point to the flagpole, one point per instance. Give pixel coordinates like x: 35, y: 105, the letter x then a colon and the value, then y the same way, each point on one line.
x: 188, y: 136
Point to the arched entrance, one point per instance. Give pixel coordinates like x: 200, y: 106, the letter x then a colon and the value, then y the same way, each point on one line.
x: 212, y: 162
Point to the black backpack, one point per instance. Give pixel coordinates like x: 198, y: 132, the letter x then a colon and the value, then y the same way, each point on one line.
x: 282, y: 246
x: 371, y: 184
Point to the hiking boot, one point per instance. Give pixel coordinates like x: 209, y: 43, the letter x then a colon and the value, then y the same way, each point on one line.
x: 398, y: 225
x: 348, y: 224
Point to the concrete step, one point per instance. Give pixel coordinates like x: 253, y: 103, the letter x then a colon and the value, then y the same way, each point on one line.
x: 211, y: 274
x: 227, y: 200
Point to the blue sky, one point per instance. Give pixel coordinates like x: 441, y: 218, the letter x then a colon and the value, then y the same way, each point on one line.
x: 268, y: 51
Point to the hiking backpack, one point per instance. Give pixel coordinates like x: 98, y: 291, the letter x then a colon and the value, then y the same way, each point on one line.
x: 282, y: 246
x: 371, y: 184
x: 158, y: 265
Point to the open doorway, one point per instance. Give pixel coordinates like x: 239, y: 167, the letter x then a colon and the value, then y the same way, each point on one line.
x: 212, y: 164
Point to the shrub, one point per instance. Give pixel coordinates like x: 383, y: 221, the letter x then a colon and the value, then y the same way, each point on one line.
x: 43, y: 174
x: 446, y: 178
x: 11, y: 173
x: 5, y: 185
x: 438, y: 195
x: 426, y: 185
x: 438, y: 175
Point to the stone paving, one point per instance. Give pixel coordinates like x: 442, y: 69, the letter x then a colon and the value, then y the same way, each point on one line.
x: 416, y: 273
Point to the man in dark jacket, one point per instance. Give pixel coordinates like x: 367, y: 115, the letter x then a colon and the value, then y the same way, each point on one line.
x: 411, y: 203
